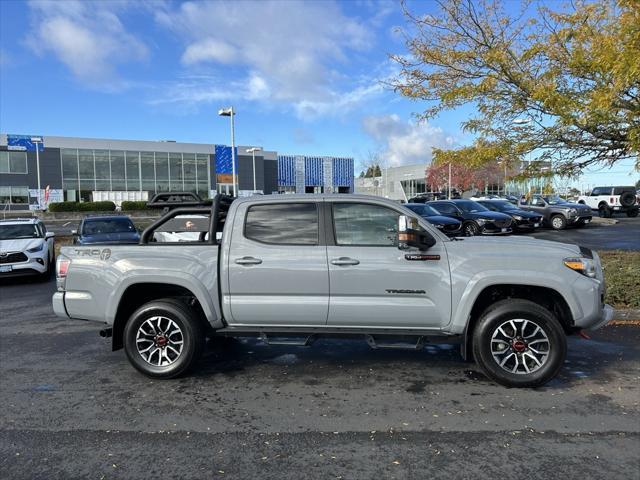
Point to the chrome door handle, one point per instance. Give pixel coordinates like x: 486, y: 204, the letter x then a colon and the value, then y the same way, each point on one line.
x: 345, y: 261
x: 248, y: 261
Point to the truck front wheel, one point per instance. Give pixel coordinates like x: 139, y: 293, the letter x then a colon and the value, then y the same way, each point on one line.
x: 163, y: 339
x: 518, y: 343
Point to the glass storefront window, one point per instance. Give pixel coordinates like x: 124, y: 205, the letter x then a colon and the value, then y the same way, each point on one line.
x: 102, y: 165
x: 117, y: 170
x: 133, y: 170
x: 189, y: 160
x: 201, y: 167
x: 85, y: 158
x: 5, y: 194
x: 19, y: 195
x: 85, y: 170
x: 13, y: 162
x: 147, y: 171
x: 162, y: 169
x: 69, y: 167
x: 4, y: 162
x: 175, y: 171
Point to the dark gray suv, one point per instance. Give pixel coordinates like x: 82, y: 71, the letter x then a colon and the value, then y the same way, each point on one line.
x: 557, y: 212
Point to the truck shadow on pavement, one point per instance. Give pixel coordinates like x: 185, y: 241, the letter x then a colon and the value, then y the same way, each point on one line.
x: 325, y: 360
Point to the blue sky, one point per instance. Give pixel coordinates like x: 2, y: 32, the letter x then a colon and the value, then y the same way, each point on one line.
x: 303, y: 77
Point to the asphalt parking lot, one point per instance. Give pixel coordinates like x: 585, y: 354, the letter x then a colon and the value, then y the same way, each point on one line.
x: 73, y: 409
x: 625, y: 235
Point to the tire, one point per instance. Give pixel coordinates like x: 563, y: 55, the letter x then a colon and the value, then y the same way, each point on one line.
x: 604, y: 211
x: 627, y: 199
x: 470, y: 229
x: 522, y: 366
x: 558, y: 222
x: 632, y: 213
x: 166, y: 316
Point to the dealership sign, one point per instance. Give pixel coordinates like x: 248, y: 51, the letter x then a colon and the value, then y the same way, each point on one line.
x: 25, y: 143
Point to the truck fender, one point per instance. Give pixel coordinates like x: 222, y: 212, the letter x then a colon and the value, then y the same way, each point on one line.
x: 178, y: 278
x: 461, y: 315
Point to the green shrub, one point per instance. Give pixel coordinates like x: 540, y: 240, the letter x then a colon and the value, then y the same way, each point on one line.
x: 128, y: 205
x: 105, y: 206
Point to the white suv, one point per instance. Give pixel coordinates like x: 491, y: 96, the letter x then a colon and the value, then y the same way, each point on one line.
x: 26, y: 248
x: 610, y: 200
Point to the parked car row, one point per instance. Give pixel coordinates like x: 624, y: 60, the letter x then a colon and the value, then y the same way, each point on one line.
x: 28, y: 249
x: 500, y: 216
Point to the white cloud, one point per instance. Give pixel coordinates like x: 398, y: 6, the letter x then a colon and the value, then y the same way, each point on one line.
x: 209, y: 49
x: 88, y: 37
x: 405, y: 142
x: 291, y: 53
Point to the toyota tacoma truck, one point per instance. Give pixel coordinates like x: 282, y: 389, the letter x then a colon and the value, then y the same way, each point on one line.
x: 290, y: 269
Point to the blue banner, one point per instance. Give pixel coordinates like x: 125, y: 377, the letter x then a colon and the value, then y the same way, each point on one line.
x: 223, y: 160
x: 23, y: 143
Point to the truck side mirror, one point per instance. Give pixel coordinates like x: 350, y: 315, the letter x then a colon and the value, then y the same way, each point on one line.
x: 410, y: 234
x: 74, y: 233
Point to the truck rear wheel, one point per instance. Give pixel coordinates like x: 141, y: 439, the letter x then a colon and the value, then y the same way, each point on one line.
x: 518, y: 343
x: 163, y: 339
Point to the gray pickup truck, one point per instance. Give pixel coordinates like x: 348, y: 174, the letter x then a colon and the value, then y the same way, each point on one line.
x: 293, y: 268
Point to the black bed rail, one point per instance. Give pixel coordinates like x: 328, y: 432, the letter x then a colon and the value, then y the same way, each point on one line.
x: 169, y: 200
x: 188, y: 203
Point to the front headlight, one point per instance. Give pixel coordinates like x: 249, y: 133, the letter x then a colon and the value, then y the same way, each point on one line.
x: 585, y: 266
x: 481, y: 221
x: 36, y: 249
x: 518, y: 217
x: 438, y: 225
x: 573, y: 211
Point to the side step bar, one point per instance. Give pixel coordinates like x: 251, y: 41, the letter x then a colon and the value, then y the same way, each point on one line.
x: 377, y: 342
x: 303, y: 342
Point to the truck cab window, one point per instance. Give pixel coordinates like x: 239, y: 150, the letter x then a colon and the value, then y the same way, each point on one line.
x: 365, y: 225
x: 283, y: 224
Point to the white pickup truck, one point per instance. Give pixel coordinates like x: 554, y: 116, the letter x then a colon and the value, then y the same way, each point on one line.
x: 308, y: 266
x: 610, y: 200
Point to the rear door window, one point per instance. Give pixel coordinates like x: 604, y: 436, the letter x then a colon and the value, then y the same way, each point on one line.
x: 283, y: 224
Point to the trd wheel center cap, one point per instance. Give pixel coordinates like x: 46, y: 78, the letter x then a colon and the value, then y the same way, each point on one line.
x: 161, y: 341
x: 519, y: 346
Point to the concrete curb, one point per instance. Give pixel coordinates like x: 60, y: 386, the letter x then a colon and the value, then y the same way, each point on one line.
x: 629, y: 316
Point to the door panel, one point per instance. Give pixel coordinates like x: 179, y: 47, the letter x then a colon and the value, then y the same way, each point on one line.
x: 277, y: 269
x: 379, y: 287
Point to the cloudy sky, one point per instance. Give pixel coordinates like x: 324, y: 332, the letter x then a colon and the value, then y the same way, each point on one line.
x: 303, y: 77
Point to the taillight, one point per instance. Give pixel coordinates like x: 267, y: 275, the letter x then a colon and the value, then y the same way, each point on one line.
x: 611, y: 200
x: 62, y: 266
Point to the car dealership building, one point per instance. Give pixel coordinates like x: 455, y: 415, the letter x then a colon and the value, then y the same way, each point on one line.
x: 76, y: 169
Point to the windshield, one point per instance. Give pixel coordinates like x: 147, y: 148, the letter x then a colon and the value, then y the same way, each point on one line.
x: 108, y: 225
x: 423, y: 210
x: 9, y: 232
x: 470, y: 206
x: 554, y: 200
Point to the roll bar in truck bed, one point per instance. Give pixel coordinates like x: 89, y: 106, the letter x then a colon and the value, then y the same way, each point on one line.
x: 188, y: 203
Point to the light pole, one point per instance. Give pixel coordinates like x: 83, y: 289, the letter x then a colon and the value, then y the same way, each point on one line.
x: 36, y: 141
x: 253, y: 151
x: 229, y: 112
